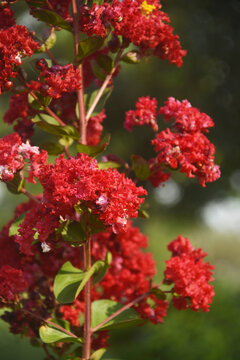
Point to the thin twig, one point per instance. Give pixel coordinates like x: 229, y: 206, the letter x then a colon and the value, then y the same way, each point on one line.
x: 47, y: 352
x: 49, y: 322
x: 67, y: 152
x: 86, y: 353
x: 30, y: 196
x: 104, y: 85
x: 47, y: 109
x: 51, y: 56
x: 50, y: 112
x: 125, y: 307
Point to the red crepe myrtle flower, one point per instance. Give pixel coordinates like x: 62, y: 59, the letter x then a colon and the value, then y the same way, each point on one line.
x: 56, y: 79
x: 12, y: 282
x: 142, y: 23
x: 190, y: 275
x: 21, y: 112
x: 13, y: 153
x: 187, y: 118
x: 145, y: 114
x: 94, y: 128
x: 6, y: 17
x: 185, y: 146
x: 15, y: 43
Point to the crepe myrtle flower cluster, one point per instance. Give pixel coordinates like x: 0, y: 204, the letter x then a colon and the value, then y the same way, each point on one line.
x: 139, y: 22
x: 183, y: 146
x: 16, y: 42
x: 56, y: 79
x: 67, y: 183
x: 84, y: 212
x: 190, y: 275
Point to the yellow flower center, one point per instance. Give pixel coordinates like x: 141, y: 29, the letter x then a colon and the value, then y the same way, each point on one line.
x: 146, y: 8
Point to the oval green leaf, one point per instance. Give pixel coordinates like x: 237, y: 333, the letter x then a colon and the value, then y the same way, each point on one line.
x: 102, y: 309
x: 50, y: 335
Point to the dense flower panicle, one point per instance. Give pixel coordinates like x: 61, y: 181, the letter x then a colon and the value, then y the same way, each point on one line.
x: 15, y: 43
x: 77, y: 182
x: 185, y: 146
x: 10, y: 159
x: 145, y: 114
x: 40, y: 221
x: 21, y: 112
x: 56, y: 79
x: 94, y: 128
x: 6, y: 17
x: 79, y: 179
x: 13, y: 152
x: 192, y: 153
x: 190, y: 275
x: 145, y: 25
x: 96, y: 20
x: 12, y: 282
x: 187, y: 118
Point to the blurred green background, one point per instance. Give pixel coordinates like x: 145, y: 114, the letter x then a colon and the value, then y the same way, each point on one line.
x: 209, y: 216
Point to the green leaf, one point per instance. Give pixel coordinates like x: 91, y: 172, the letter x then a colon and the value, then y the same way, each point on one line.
x: 47, y: 118
x: 98, y: 71
x: 105, y: 62
x: 89, y: 98
x: 95, y: 225
x: 16, y: 184
x: 50, y: 335
x: 49, y: 38
x: 93, y: 151
x: 96, y: 268
x: 52, y: 148
x: 75, y: 233
x: 89, y: 46
x: 108, y: 165
x: 68, y: 131
x: 65, y: 141
x: 102, y: 309
x: 97, y: 355
x: 66, y: 283
x: 13, y: 230
x: 41, y: 104
x: 102, y: 271
x: 50, y: 17
x: 140, y: 167
x: 132, y: 57
x: 160, y: 295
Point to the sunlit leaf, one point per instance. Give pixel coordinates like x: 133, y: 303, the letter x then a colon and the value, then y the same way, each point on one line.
x: 50, y: 17
x: 102, y: 309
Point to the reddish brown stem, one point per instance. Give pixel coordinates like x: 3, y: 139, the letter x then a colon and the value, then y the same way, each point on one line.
x: 30, y: 196
x: 104, y: 85
x: 49, y: 322
x: 80, y: 92
x: 50, y: 357
x: 48, y: 110
x: 125, y: 307
x: 87, y: 301
x: 52, y: 57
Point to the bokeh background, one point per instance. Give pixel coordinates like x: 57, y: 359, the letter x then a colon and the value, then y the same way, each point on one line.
x: 209, y: 216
